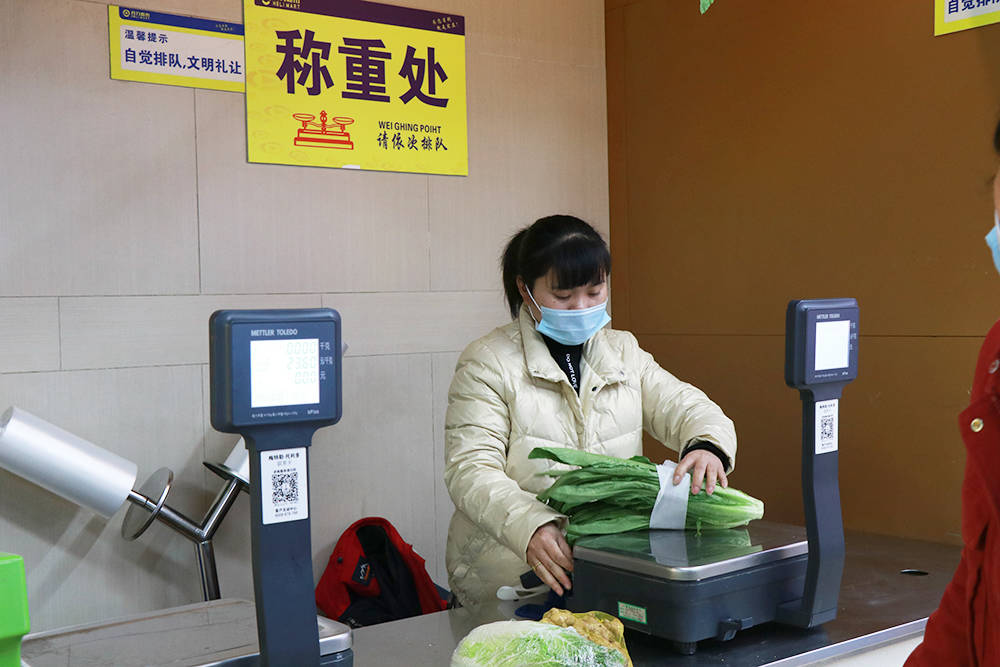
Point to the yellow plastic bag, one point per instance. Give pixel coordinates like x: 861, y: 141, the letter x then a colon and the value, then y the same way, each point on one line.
x: 597, y: 626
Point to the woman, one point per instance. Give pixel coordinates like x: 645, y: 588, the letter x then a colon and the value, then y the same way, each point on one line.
x: 555, y: 376
x: 965, y: 629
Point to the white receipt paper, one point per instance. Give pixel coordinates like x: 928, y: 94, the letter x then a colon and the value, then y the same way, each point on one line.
x: 670, y: 509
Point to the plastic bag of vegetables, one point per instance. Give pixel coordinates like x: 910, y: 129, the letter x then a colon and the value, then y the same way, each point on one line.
x: 597, y: 626
x: 607, y: 495
x: 516, y: 643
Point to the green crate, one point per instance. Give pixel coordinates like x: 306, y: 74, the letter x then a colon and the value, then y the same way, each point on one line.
x: 14, y: 622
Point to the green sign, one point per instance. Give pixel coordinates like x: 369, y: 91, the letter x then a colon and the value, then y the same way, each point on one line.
x: 631, y: 612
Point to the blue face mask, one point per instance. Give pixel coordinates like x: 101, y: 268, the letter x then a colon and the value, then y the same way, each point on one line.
x: 993, y: 241
x: 571, y: 327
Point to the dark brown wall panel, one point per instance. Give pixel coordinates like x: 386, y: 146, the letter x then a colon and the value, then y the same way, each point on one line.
x: 785, y: 149
x: 901, y: 458
x: 770, y: 151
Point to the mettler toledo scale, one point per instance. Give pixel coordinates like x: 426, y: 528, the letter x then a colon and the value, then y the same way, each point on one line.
x: 686, y: 587
x: 276, y: 379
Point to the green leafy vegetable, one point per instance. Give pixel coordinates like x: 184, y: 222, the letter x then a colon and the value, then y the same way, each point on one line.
x: 607, y: 495
x: 708, y: 546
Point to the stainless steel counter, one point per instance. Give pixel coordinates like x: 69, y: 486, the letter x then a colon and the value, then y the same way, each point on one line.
x: 217, y: 633
x: 878, y: 603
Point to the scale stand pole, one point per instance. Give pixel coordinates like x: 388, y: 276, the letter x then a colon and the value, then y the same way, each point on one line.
x: 282, y: 564
x: 824, y: 522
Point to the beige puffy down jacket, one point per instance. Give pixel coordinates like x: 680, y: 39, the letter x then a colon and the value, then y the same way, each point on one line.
x: 508, y: 396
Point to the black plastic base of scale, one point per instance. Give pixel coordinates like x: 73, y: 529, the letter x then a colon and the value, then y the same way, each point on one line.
x: 686, y: 612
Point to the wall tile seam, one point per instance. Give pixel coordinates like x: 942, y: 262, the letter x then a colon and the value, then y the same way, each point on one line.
x: 349, y: 293
x: 426, y: 351
x: 961, y: 337
x: 429, y: 230
x: 419, y: 353
x: 91, y: 369
x: 197, y: 191
x: 207, y: 428
x: 436, y: 486
x: 544, y: 61
x: 5, y: 374
x: 26, y: 371
x: 926, y: 336
x: 242, y: 294
x: 59, y: 339
x: 426, y: 291
x: 107, y: 295
x: 702, y: 334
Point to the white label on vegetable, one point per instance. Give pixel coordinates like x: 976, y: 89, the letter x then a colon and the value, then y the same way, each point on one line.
x: 670, y: 507
x: 631, y: 612
x: 284, y: 494
x: 826, y: 426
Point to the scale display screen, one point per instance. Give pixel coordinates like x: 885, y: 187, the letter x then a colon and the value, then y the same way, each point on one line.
x: 284, y: 372
x: 274, y: 367
x: 833, y: 345
x: 821, y: 340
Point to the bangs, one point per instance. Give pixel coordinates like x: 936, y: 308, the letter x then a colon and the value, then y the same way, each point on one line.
x: 580, y: 261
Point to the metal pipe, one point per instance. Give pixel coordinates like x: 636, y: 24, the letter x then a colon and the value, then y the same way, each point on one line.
x: 223, y: 502
x: 200, y: 534
x: 205, y: 553
x: 142, y: 501
x: 180, y: 523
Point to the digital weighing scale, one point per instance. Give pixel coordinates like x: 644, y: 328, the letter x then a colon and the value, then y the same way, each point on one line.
x: 686, y: 587
x: 275, y: 379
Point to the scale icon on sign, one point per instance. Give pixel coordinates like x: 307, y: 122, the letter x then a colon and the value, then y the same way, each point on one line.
x: 322, y: 134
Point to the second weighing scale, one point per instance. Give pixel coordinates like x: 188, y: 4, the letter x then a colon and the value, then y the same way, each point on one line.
x: 275, y: 378
x: 684, y: 586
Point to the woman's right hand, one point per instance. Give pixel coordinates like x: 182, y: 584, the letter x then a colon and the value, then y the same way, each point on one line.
x: 550, y: 557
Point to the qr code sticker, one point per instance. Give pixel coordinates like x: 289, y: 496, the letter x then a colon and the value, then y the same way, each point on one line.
x: 826, y: 428
x: 285, y: 487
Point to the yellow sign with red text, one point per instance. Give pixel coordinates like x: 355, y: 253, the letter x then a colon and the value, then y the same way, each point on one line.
x: 355, y: 84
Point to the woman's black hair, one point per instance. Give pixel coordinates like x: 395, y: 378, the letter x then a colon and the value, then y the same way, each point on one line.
x: 567, y: 245
x: 996, y: 139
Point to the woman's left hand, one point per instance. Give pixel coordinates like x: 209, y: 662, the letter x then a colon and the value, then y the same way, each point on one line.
x: 704, y: 467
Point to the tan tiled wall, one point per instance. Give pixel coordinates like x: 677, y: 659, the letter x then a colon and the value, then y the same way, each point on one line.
x: 128, y: 214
